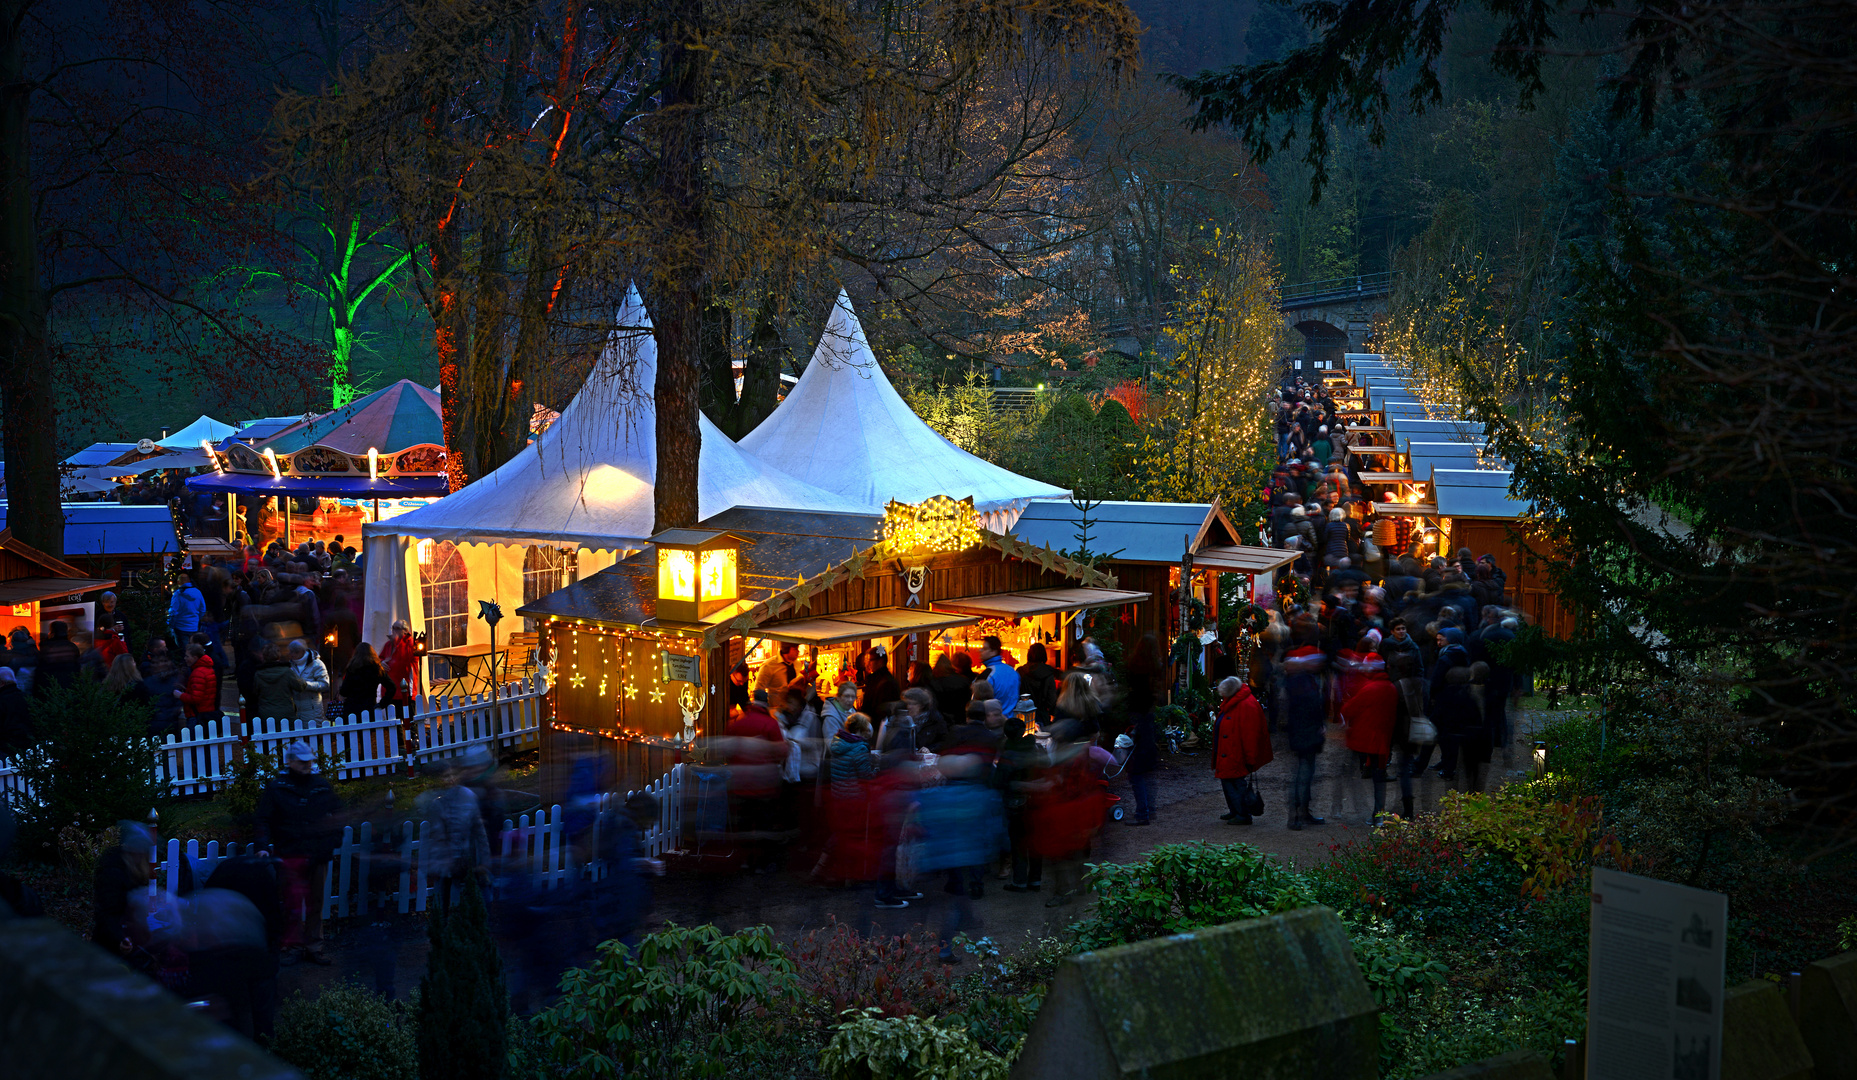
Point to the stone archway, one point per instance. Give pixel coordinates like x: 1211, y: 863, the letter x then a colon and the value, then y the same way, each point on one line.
x: 1323, y: 343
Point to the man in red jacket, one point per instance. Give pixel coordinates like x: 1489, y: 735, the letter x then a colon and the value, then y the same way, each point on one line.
x: 757, y: 748
x: 1240, y: 747
x: 1370, y: 715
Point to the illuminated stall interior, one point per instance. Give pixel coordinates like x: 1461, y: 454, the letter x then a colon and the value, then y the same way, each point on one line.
x: 645, y: 646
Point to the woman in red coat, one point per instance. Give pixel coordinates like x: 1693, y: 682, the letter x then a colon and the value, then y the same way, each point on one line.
x: 1240, y: 746
x: 199, y: 692
x: 1370, y: 715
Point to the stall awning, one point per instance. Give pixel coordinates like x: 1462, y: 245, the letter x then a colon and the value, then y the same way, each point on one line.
x: 1372, y: 449
x: 27, y: 589
x: 859, y: 625
x: 1018, y: 605
x: 1392, y: 509
x: 1243, y: 559
x: 334, y: 487
x: 1370, y: 429
x: 1386, y: 477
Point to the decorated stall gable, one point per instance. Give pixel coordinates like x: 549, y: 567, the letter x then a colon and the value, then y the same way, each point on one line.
x: 871, y: 561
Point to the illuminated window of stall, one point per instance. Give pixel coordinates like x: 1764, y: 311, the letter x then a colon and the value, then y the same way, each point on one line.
x: 719, y: 573
x: 676, y: 575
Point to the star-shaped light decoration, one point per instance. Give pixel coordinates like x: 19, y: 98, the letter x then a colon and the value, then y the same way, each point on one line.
x: 631, y: 691
x: 602, y: 686
x: 578, y: 680
x: 657, y: 694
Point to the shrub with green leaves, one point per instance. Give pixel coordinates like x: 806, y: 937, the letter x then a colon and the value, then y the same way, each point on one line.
x: 1181, y: 887
x: 346, y: 1033
x: 872, y: 1046
x: 94, y: 765
x: 675, y: 1008
x: 1677, y: 769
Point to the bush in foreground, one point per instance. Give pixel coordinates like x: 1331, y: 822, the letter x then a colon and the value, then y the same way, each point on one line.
x: 346, y: 1033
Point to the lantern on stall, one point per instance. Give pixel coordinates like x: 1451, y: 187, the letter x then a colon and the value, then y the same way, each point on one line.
x: 697, y: 573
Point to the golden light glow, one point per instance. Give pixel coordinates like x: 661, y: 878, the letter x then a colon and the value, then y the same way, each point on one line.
x: 373, y: 463
x: 676, y: 574
x: 270, y: 456
x: 212, y: 458
x: 719, y: 574
x: 424, y: 548
x: 936, y: 524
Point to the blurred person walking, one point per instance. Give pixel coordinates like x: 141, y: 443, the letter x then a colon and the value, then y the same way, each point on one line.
x: 296, y: 822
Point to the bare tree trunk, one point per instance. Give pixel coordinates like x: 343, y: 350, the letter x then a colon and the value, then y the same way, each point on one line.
x: 718, y: 359
x: 34, y: 513
x: 761, y: 369
x: 681, y: 269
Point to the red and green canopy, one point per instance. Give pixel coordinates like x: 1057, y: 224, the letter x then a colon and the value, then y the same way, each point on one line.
x: 394, y: 418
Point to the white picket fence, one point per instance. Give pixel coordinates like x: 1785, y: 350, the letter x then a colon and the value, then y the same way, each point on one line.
x: 535, y: 847
x: 195, y: 760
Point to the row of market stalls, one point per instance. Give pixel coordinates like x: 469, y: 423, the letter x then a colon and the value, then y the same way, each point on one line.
x: 1435, y: 485
x: 842, y: 522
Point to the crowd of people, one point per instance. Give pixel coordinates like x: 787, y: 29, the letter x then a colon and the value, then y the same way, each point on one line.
x: 222, y: 934
x: 1403, y: 649
x: 925, y: 788
x: 281, y: 628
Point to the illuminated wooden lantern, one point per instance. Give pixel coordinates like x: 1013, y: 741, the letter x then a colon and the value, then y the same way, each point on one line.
x: 697, y: 572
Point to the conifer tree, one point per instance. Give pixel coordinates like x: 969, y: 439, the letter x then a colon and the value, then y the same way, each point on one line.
x: 463, y: 1004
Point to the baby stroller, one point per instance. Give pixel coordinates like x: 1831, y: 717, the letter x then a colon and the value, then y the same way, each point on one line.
x: 1112, y: 803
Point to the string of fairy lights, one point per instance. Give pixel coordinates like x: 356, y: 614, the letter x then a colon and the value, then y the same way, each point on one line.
x: 618, y: 680
x: 935, y: 524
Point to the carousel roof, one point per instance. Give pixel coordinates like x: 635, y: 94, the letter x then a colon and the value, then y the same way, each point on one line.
x: 847, y: 430
x: 589, y: 479
x: 391, y: 419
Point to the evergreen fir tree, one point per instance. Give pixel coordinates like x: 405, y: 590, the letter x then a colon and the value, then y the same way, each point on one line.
x: 463, y: 1005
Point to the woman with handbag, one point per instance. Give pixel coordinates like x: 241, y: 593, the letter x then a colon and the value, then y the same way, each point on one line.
x: 1413, y: 732
x: 1240, y: 747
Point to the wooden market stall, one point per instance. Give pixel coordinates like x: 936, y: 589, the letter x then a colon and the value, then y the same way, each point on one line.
x: 36, y: 589
x: 1144, y: 544
x: 641, y: 650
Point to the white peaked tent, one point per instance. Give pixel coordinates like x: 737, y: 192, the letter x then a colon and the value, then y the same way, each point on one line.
x: 586, y: 483
x: 188, y: 438
x: 846, y: 429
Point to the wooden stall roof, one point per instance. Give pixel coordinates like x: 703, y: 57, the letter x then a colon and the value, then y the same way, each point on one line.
x: 1371, y: 429
x: 1243, y: 559
x: 787, y: 546
x: 859, y: 625
x: 1040, y: 602
x: 1406, y: 509
x: 26, y: 590
x: 28, y: 574
x: 1137, y: 532
x: 1372, y: 449
x: 1386, y: 478
x: 799, y: 556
